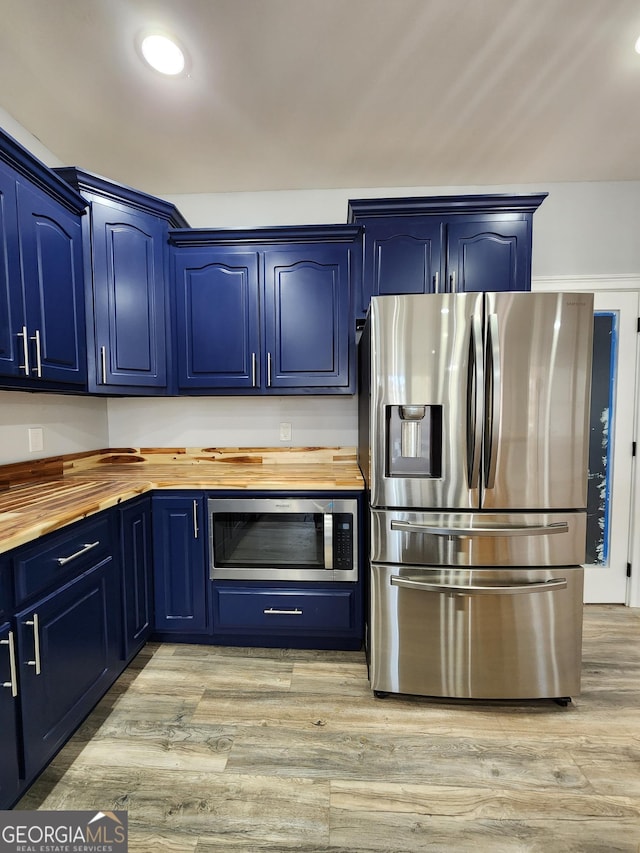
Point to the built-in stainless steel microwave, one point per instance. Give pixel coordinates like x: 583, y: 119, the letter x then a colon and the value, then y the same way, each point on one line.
x: 297, y: 539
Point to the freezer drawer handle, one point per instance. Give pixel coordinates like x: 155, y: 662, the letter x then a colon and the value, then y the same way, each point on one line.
x: 516, y: 530
x: 470, y: 589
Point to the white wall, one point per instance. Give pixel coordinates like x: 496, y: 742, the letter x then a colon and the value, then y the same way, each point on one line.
x: 69, y: 424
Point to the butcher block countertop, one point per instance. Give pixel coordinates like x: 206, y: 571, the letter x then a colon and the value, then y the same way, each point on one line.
x: 39, y: 497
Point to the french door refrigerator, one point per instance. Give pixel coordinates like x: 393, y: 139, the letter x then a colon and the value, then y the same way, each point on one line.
x: 473, y: 441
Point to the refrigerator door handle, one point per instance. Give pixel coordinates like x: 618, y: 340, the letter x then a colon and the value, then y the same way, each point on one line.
x: 485, y: 589
x: 505, y: 530
x: 475, y: 384
x: 493, y: 402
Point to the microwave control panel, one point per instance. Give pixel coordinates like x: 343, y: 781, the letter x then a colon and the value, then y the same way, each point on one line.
x: 342, y: 540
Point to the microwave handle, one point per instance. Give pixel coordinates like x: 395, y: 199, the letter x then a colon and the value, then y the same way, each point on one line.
x: 328, y: 540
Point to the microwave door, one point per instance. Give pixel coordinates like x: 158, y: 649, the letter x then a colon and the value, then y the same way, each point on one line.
x: 537, y: 386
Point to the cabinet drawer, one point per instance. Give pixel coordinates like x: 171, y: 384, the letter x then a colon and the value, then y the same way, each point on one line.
x: 61, y: 555
x: 283, y: 611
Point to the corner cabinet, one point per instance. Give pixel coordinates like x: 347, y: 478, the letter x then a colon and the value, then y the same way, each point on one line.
x: 137, y: 574
x: 265, y: 311
x: 126, y: 268
x: 444, y: 244
x: 42, y: 314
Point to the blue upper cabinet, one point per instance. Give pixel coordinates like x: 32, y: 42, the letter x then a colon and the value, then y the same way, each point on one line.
x: 42, y: 312
x: 444, y: 244
x: 265, y: 310
x: 126, y: 259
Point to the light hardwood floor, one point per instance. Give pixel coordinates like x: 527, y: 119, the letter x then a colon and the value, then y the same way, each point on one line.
x: 223, y: 749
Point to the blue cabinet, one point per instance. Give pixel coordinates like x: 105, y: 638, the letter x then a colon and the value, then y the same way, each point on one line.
x: 180, y: 570
x: 444, y: 244
x: 137, y: 574
x: 42, y: 314
x: 265, y: 311
x: 126, y: 263
x: 69, y: 644
x: 9, y: 732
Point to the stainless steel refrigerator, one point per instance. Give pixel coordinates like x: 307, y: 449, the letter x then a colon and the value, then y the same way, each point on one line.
x: 473, y: 441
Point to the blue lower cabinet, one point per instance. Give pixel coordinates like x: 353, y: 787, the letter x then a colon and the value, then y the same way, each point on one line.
x: 69, y: 654
x: 9, y: 740
x: 266, y: 615
x: 180, y: 571
x: 137, y: 574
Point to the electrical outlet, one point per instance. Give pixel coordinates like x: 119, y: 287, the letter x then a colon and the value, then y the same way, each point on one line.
x: 285, y: 432
x: 36, y: 439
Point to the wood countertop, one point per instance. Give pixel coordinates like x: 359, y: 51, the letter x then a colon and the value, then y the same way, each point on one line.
x: 38, y: 498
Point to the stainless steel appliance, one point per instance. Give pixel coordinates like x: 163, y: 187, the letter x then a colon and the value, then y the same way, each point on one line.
x: 295, y: 539
x: 474, y: 444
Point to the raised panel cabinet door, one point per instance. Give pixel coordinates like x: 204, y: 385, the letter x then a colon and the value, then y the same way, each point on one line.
x: 129, y: 286
x: 137, y: 571
x: 180, y: 573
x: 401, y: 255
x: 53, y: 283
x: 307, y: 318
x: 9, y: 698
x: 11, y: 302
x: 69, y: 646
x: 489, y: 256
x: 217, y: 328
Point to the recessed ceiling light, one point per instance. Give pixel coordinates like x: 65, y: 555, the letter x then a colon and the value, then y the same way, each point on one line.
x: 163, y: 54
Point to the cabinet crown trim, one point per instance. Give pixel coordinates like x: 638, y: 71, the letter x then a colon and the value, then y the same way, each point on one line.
x: 87, y: 182
x: 443, y: 204
x: 255, y: 236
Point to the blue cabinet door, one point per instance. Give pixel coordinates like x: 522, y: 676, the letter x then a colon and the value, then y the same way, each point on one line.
x: 401, y: 255
x: 137, y: 574
x: 11, y: 302
x: 307, y: 329
x: 69, y: 646
x: 180, y: 572
x: 53, y: 286
x: 216, y: 311
x: 489, y: 255
x: 9, y: 763
x: 129, y: 298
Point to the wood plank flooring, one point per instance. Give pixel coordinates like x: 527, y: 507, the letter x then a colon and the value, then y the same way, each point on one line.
x: 221, y: 749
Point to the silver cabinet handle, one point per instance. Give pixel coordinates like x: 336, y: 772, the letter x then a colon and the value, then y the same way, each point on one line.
x: 452, y: 282
x: 38, y: 368
x: 272, y: 611
x: 25, y: 349
x: 269, y: 369
x: 196, y: 529
x: 62, y: 561
x: 36, y: 643
x: 328, y: 540
x: 13, y: 684
x: 103, y: 364
x: 505, y: 530
x: 436, y: 282
x: 253, y: 370
x: 485, y: 589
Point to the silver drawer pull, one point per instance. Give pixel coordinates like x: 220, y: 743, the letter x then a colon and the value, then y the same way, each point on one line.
x: 36, y: 643
x: 505, y: 530
x: 476, y: 589
x: 62, y: 561
x: 13, y: 684
x: 272, y: 611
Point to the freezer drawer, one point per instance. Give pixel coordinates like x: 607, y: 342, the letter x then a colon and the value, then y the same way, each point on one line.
x: 478, y: 539
x: 477, y: 633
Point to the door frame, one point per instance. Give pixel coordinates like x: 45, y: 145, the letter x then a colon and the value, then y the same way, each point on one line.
x: 600, y: 284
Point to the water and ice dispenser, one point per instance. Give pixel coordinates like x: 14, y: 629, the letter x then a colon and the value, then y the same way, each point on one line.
x: 414, y: 441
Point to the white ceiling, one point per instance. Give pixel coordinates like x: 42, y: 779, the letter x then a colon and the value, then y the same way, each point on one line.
x: 292, y: 94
